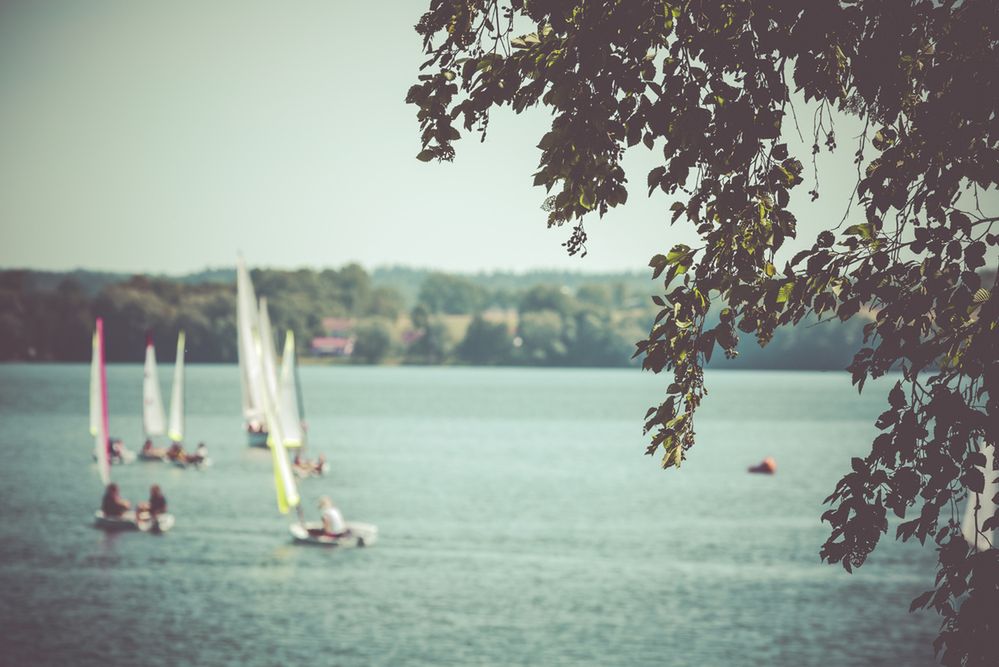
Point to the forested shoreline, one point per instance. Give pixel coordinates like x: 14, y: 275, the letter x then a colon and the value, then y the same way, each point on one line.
x: 396, y: 315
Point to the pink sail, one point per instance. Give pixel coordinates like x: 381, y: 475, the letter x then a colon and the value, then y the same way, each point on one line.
x: 102, y: 443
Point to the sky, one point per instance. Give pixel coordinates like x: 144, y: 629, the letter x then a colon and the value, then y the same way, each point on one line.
x: 168, y: 137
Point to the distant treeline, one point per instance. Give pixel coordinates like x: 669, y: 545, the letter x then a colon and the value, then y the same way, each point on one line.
x: 396, y: 315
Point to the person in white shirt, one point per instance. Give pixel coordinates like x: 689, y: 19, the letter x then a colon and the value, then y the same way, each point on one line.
x: 333, y: 523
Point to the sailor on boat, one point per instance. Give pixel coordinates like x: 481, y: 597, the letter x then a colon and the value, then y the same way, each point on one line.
x: 176, y: 452
x: 199, y: 456
x: 305, y: 468
x: 152, y: 453
x: 333, y: 522
x: 156, y: 505
x: 113, y: 505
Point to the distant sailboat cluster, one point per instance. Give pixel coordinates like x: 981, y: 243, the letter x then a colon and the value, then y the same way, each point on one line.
x: 273, y: 414
x: 271, y: 402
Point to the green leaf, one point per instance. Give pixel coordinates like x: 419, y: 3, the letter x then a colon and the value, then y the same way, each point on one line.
x: 785, y: 291
x: 864, y: 230
x: 426, y: 155
x: 678, y: 253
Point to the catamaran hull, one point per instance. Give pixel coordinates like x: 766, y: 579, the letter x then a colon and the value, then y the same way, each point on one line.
x: 359, y: 535
x: 256, y: 438
x: 127, y: 521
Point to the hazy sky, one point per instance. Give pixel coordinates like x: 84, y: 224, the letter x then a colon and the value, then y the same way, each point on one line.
x: 167, y: 136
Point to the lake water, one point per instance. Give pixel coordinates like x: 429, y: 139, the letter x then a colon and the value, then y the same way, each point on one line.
x: 519, y: 524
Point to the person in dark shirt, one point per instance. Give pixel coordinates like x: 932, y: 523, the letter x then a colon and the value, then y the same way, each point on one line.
x: 176, y: 452
x: 113, y: 505
x: 157, y: 502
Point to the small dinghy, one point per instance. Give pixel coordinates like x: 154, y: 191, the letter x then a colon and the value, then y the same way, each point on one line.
x: 307, y: 469
x: 128, y: 521
x: 198, y: 465
x: 119, y: 456
x: 357, y: 535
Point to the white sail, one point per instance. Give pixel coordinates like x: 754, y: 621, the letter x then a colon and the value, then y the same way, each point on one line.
x: 291, y: 426
x: 95, y: 385
x: 176, y: 430
x: 973, y: 518
x: 153, y: 419
x: 268, y: 357
x: 248, y: 349
x: 99, y: 398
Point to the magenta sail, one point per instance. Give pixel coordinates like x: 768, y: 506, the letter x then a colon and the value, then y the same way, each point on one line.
x: 103, y: 442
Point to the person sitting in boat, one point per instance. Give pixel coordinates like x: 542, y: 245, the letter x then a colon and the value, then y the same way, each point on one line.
x: 333, y: 523
x: 117, y: 450
x: 157, y: 502
x: 303, y: 467
x: 176, y: 452
x: 150, y: 452
x: 200, y: 455
x: 113, y: 505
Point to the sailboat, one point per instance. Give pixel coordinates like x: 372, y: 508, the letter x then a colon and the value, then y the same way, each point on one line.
x: 293, y: 411
x: 102, y: 445
x: 310, y: 533
x: 175, y: 430
x: 153, y: 417
x: 980, y: 507
x: 249, y: 352
x: 115, y: 452
x: 285, y: 401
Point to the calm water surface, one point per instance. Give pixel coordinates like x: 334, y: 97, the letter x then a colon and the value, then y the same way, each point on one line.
x: 519, y: 523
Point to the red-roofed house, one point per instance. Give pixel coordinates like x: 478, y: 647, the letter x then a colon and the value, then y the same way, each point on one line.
x: 332, y: 346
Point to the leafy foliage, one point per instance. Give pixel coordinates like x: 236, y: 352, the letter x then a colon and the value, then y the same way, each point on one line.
x: 446, y: 293
x: 374, y: 341
x: 433, y: 342
x: 485, y: 343
x: 707, y: 83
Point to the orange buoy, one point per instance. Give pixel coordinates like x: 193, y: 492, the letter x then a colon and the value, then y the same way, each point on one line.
x: 768, y: 466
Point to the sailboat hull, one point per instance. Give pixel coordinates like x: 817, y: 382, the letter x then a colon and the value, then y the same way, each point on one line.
x: 126, y: 456
x: 359, y: 535
x: 128, y: 521
x: 197, y: 465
